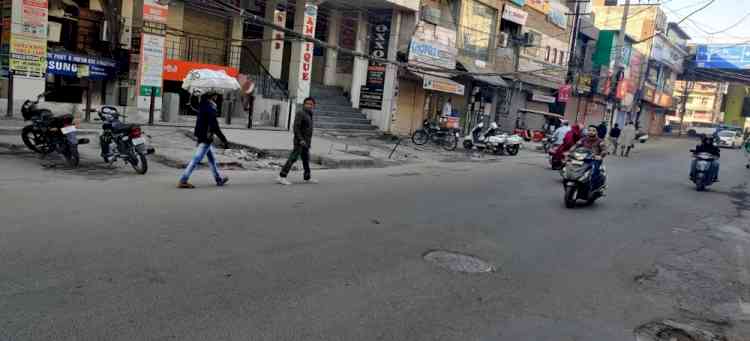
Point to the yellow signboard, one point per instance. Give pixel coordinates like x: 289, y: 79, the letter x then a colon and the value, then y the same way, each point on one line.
x: 539, y: 5
x: 28, y: 55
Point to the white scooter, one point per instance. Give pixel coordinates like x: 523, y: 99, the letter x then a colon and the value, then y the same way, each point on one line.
x: 492, y: 140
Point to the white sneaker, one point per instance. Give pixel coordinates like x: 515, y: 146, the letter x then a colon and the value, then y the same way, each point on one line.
x: 283, y: 181
x: 312, y: 181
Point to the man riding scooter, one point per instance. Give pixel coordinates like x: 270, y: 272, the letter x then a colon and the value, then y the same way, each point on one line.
x: 707, y: 146
x: 597, y: 146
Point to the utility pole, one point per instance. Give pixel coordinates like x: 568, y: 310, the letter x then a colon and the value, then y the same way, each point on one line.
x: 619, y: 49
x: 687, y: 86
x: 573, y: 61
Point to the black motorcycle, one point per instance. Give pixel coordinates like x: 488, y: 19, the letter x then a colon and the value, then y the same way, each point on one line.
x: 48, y: 133
x: 122, y: 141
x: 577, y: 178
x: 431, y: 131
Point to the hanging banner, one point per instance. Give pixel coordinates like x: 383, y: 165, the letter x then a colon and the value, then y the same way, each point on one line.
x: 155, y: 11
x: 28, y: 37
x: 563, y: 94
x: 371, y: 95
x: 307, y: 51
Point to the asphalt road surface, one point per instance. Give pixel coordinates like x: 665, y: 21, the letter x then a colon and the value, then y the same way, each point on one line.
x: 99, y: 254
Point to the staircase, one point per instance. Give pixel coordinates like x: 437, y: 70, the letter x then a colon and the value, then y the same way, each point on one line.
x: 334, y: 112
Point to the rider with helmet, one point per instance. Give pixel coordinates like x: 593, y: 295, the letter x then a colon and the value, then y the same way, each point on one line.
x: 707, y: 146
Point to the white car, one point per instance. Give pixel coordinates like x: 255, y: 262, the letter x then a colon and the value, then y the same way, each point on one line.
x: 730, y: 139
x: 698, y: 128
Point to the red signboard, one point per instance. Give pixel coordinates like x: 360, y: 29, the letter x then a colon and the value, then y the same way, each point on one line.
x: 563, y: 94
x: 176, y: 70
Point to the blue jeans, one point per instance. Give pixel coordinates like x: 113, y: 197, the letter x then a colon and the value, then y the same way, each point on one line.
x: 596, y: 171
x: 204, y: 150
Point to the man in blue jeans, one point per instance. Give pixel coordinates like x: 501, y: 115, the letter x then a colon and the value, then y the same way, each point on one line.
x: 205, y: 127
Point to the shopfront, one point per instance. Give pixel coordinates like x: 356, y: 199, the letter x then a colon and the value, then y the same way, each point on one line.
x: 422, y: 96
x: 69, y: 75
x: 175, y: 72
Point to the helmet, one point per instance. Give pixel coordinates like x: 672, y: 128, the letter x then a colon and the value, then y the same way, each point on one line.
x: 493, y: 125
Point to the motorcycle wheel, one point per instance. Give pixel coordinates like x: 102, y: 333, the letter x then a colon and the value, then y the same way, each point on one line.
x: 30, y: 138
x: 468, y: 145
x: 450, y: 142
x: 139, y: 163
x: 420, y: 137
x: 570, y: 197
x: 512, y: 150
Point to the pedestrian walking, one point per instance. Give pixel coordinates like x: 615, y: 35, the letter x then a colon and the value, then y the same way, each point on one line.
x: 601, y: 130
x: 614, y: 137
x: 627, y: 139
x: 206, y: 126
x: 303, y: 131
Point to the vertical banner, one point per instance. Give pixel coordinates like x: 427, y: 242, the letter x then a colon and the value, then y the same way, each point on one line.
x: 151, y: 69
x: 28, y: 37
x: 305, y: 71
x: 371, y: 95
x: 5, y: 20
x: 155, y: 11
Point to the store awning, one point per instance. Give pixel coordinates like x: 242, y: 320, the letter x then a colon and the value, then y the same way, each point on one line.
x: 543, y: 113
x: 492, y: 80
x: 438, y: 81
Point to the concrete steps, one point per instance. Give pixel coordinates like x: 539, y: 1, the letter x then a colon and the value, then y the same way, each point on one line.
x: 333, y: 111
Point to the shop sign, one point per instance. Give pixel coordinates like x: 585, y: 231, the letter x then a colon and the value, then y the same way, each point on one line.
x: 537, y: 96
x: 279, y: 18
x: 371, y: 94
x: 519, y: 2
x: 177, y: 70
x: 663, y: 100
x: 515, y: 15
x: 155, y: 11
x: 539, y: 5
x: 28, y: 37
x: 584, y: 84
x: 432, y: 53
x: 442, y: 85
x: 649, y: 93
x: 27, y: 55
x: 563, y: 94
x: 306, y: 52
x: 152, y: 63
x: 30, y: 18
x: 76, y: 65
x: 557, y: 15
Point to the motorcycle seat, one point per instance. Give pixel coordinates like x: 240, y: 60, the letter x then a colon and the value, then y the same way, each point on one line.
x: 123, y: 128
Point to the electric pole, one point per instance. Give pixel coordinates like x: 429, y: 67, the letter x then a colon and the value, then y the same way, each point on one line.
x: 619, y: 49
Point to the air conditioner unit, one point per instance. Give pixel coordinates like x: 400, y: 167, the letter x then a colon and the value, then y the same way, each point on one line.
x: 530, y: 39
x: 502, y: 39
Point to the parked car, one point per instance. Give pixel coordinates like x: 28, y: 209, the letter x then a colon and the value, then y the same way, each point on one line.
x: 730, y: 139
x: 698, y: 128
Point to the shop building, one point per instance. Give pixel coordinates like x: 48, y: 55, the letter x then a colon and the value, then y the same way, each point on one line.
x: 704, y: 103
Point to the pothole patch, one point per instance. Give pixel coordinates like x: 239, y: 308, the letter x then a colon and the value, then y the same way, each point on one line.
x: 458, y: 262
x: 674, y: 331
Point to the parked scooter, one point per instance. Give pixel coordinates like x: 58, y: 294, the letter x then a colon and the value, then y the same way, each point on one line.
x: 702, y: 176
x: 48, y: 133
x: 577, y: 178
x: 492, y: 140
x: 122, y: 141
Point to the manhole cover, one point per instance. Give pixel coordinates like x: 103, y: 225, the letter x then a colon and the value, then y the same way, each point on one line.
x: 458, y: 262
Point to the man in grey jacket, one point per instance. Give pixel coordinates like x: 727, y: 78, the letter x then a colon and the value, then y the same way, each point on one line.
x: 303, y: 131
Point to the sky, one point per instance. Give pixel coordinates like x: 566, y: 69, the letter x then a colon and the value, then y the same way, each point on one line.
x: 720, y: 15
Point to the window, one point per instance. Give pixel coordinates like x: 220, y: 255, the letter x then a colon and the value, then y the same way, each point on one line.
x: 554, y: 55
x: 549, y: 50
x: 478, y: 24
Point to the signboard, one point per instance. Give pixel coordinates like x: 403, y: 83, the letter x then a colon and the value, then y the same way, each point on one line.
x: 177, y: 70
x: 5, y: 43
x: 380, y: 32
x: 155, y: 11
x: 347, y: 40
x: 662, y: 51
x: 519, y: 2
x: 442, y: 85
x: 28, y: 37
x: 515, y: 15
x: 152, y: 64
x: 537, y: 96
x: 539, y: 5
x: 307, y: 52
x: 432, y: 53
x: 76, y: 65
x: 557, y: 15
x: 649, y: 93
x: 563, y: 94
x: 723, y: 56
x: 584, y: 84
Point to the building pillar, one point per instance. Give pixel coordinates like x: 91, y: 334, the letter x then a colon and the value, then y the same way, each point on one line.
x: 359, y: 70
x: 273, y: 50
x: 334, y: 29
x: 390, y: 87
x: 300, y: 66
x: 235, y: 51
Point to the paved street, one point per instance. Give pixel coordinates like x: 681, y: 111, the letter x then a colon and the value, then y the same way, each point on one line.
x: 100, y: 254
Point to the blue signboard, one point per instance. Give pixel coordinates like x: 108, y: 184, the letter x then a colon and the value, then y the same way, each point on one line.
x: 68, y: 64
x: 723, y: 56
x: 519, y: 2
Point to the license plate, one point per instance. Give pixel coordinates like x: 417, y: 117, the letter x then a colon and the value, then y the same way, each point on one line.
x: 576, y: 162
x: 138, y: 141
x: 67, y: 130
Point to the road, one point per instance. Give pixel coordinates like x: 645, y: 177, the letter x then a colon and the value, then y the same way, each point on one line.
x: 99, y: 254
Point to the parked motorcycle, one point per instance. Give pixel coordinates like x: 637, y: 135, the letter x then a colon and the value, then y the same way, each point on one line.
x: 701, y: 172
x: 577, y: 178
x: 431, y: 131
x: 48, y: 133
x: 122, y: 141
x: 492, y: 140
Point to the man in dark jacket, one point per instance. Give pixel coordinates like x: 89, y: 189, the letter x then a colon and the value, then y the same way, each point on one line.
x: 206, y: 126
x: 601, y: 130
x: 303, y: 131
x: 614, y: 137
